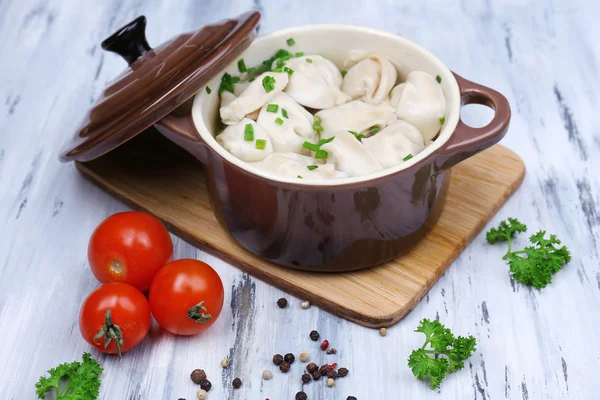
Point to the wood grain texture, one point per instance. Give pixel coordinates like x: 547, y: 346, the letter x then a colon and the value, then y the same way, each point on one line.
x: 542, y: 54
x: 151, y: 174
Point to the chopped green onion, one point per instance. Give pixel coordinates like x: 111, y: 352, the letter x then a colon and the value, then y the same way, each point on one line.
x: 357, y: 136
x: 208, y: 90
x: 438, y: 79
x: 442, y: 120
x: 299, y: 176
x: 272, y: 108
x: 251, y: 70
x: 281, y: 53
x: 324, y: 141
x: 354, y: 133
x: 288, y: 70
x: 278, y: 121
x: 299, y: 54
x: 374, y: 129
x: 227, y: 82
x: 321, y: 154
x: 310, y: 146
x: 242, y: 65
x: 261, y: 144
x: 291, y: 42
x: 317, y: 124
x: 249, y: 133
x: 408, y: 157
x: 284, y: 113
x: 344, y: 72
x: 268, y: 83
x: 278, y: 69
x: 252, y: 79
x: 308, y: 60
x: 311, y: 167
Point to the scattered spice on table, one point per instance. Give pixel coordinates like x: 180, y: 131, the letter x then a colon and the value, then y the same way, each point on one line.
x: 267, y: 375
x: 277, y: 359
x: 301, y: 396
x: 304, y: 357
x: 236, y: 383
x: 332, y: 374
x: 282, y: 303
x: 305, y: 304
x: 201, y: 394
x: 312, y: 367
x: 351, y: 398
x: 331, y: 351
x: 383, y: 331
x: 314, y: 335
x: 289, y: 358
x: 225, y: 362
x: 324, y: 370
x: 330, y: 382
x: 305, y: 378
x: 324, y: 345
x: 284, y: 367
x: 342, y: 372
x: 198, y: 376
x: 316, y: 375
x: 206, y: 385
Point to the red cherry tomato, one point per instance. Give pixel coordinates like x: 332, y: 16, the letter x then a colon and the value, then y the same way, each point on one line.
x: 114, y: 318
x: 129, y: 247
x: 186, y: 296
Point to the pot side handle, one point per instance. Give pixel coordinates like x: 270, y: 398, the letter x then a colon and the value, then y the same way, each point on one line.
x: 183, y: 132
x: 467, y: 141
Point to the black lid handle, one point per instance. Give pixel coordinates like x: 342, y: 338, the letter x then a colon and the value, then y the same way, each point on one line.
x: 129, y: 41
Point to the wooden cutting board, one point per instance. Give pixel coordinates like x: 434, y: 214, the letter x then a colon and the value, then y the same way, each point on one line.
x: 152, y: 174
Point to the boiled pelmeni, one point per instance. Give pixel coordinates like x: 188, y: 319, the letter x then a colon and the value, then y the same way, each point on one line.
x: 287, y: 134
x: 420, y: 101
x: 371, y: 79
x: 292, y: 165
x: 394, y: 143
x: 233, y: 139
x: 315, y: 83
x: 253, y: 97
x: 349, y: 155
x: 356, y: 116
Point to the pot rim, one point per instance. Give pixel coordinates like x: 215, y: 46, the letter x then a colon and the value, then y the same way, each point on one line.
x: 452, y: 116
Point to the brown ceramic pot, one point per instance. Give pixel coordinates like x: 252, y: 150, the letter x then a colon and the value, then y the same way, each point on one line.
x: 346, y: 224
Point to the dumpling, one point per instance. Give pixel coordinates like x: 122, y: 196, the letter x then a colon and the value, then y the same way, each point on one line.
x: 288, y: 124
x: 315, y: 83
x: 253, y: 97
x: 394, y: 143
x: 371, y: 79
x: 293, y: 165
x: 356, y: 116
x: 228, y: 97
x: 233, y: 139
x: 349, y: 155
x: 420, y: 101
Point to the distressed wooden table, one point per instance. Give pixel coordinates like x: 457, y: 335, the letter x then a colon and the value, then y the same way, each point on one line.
x: 531, y: 344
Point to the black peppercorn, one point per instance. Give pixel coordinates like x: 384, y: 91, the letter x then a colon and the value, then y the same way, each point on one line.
x: 236, y: 383
x: 305, y: 378
x: 206, y: 385
x: 277, y: 359
x: 284, y: 367
x: 316, y: 375
x: 332, y: 374
x: 301, y: 396
x: 198, y: 376
x: 289, y: 358
x: 312, y: 367
x: 342, y: 372
x: 314, y: 335
x: 282, y: 303
x: 351, y: 398
x: 331, y: 351
x: 324, y: 370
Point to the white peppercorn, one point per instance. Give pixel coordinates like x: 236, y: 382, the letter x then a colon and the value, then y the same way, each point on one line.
x: 305, y: 304
x: 330, y: 382
x: 267, y: 375
x: 201, y: 394
x: 383, y: 331
x: 225, y: 362
x: 304, y: 357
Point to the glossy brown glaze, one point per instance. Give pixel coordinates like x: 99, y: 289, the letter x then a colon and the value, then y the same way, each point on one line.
x: 157, y: 80
x: 338, y: 227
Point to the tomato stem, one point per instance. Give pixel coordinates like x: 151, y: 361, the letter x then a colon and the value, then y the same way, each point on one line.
x: 196, y: 313
x: 110, y: 331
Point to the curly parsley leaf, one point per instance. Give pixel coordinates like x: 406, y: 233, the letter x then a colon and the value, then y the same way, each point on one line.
x: 442, y: 343
x: 506, y: 231
x: 83, y: 380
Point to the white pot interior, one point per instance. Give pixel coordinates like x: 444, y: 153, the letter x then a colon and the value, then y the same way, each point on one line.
x: 334, y: 42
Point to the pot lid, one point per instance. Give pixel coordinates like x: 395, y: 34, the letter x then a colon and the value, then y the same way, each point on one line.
x: 157, y: 80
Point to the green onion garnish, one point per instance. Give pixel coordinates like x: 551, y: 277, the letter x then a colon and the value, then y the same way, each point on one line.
x: 374, y: 129
x: 311, y: 167
x: 261, y: 144
x: 310, y: 146
x: 278, y: 121
x: 291, y: 42
x: 344, y: 72
x: 284, y: 113
x: 249, y: 132
x: 442, y: 120
x: 227, y: 82
x: 299, y: 54
x: 299, y: 176
x: 408, y: 157
x: 438, y: 79
x: 251, y: 70
x: 317, y: 124
x: 252, y: 79
x: 278, y: 69
x: 321, y: 154
x: 208, y: 90
x: 268, y: 83
x: 272, y: 108
x: 242, y: 65
x: 323, y: 141
x: 357, y: 136
x: 288, y: 70
x: 308, y: 60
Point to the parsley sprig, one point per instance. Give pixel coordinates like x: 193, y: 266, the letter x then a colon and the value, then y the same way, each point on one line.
x: 83, y: 380
x: 535, y: 264
x: 429, y: 362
